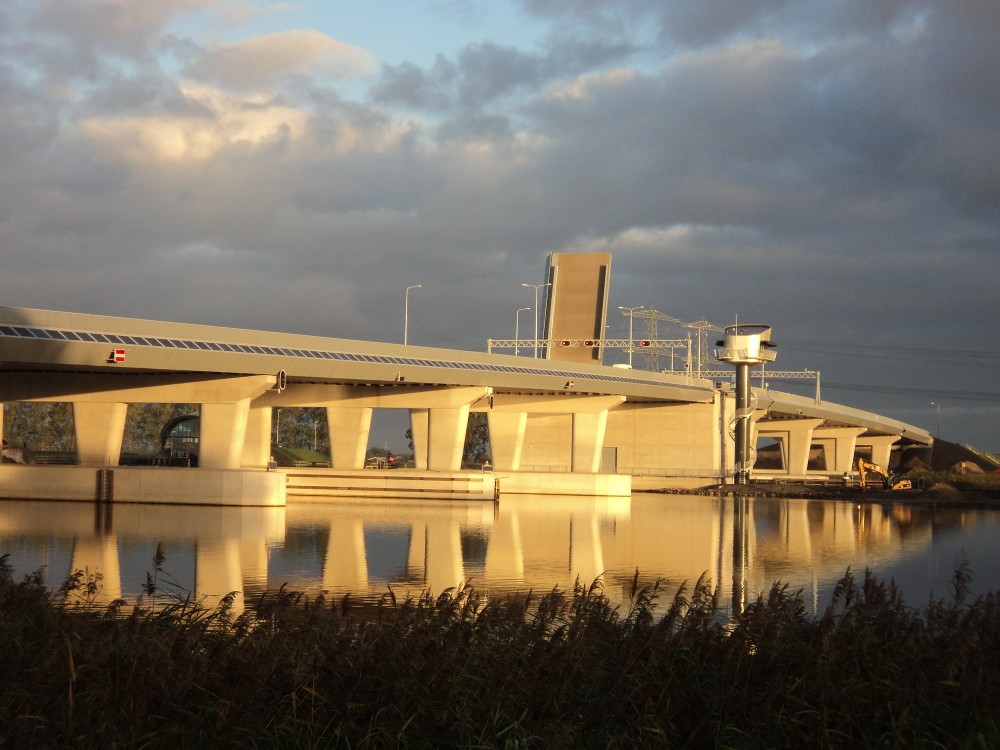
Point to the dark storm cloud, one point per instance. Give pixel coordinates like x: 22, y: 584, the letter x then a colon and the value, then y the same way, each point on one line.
x: 486, y: 72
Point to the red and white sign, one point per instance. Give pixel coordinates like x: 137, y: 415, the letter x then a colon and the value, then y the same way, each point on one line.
x: 118, y: 355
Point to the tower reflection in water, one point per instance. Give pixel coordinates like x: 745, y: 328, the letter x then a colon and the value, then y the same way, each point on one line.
x: 363, y: 547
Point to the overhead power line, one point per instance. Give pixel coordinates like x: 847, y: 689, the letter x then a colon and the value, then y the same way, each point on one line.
x: 881, y: 350
x: 933, y: 393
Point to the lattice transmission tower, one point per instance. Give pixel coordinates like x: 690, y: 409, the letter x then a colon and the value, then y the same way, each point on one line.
x: 651, y: 356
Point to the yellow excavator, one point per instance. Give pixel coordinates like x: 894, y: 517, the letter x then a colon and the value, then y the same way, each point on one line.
x: 874, y: 477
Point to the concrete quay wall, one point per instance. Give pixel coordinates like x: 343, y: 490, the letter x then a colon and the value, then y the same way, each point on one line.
x: 141, y: 484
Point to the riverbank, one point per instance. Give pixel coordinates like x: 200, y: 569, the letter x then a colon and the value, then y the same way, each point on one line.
x: 984, y: 493
x: 564, y: 670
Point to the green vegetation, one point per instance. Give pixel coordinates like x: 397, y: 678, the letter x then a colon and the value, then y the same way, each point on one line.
x: 42, y: 426
x: 562, y: 670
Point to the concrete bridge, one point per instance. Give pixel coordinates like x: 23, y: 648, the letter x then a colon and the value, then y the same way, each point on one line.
x: 555, y: 427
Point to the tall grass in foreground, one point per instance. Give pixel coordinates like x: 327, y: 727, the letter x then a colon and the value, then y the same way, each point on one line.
x: 566, y: 669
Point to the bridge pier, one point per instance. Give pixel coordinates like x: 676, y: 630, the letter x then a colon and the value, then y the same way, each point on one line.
x: 350, y: 427
x: 843, y: 441
x: 565, y: 431
x: 507, y: 438
x: 257, y: 439
x: 797, y: 436
x: 99, y: 428
x: 881, y: 446
x: 223, y: 429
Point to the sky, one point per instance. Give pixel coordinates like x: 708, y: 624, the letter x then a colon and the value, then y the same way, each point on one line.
x: 828, y: 167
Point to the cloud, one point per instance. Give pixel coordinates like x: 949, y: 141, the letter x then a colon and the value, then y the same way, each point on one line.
x: 226, y: 122
x: 828, y: 168
x: 259, y: 62
x: 589, y: 86
x: 83, y: 38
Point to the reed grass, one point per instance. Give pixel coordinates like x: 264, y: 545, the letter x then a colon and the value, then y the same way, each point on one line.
x: 562, y: 670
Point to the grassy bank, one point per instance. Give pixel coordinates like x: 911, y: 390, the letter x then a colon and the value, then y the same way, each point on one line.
x: 560, y: 670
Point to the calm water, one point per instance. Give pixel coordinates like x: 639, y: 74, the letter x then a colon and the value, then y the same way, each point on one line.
x: 364, y: 547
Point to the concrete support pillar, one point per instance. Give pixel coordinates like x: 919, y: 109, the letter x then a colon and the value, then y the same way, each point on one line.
x: 257, y: 444
x: 419, y: 426
x: 99, y: 428
x: 507, y: 438
x: 577, y: 448
x: 446, y: 430
x: 881, y: 447
x: 223, y: 428
x: 742, y: 428
x: 844, y: 439
x: 439, y: 437
x: 349, y: 430
x: 797, y: 435
x: 800, y: 435
x: 588, y: 440
x: 346, y: 567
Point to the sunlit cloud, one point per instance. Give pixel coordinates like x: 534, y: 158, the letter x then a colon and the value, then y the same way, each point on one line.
x: 257, y: 62
x: 243, y: 12
x: 586, y: 87
x: 228, y: 121
x: 223, y: 121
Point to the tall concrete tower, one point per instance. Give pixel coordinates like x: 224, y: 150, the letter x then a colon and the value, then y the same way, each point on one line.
x: 577, y: 304
x: 745, y: 346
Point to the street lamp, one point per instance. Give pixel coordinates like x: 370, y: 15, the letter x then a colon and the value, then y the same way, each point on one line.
x: 406, y: 312
x: 938, y: 407
x: 536, y: 287
x: 630, y: 311
x: 517, y: 327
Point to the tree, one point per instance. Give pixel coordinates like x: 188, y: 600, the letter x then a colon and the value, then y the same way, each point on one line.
x: 40, y: 426
x: 477, y: 439
x: 301, y: 427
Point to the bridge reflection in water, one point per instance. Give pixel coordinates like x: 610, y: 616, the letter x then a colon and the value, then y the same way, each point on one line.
x: 363, y: 547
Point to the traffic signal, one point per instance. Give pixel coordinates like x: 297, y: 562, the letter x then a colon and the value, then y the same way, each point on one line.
x: 644, y: 343
x: 564, y: 342
x: 588, y: 342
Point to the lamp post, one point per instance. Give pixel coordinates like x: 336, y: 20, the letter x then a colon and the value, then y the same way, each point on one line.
x: 406, y: 312
x: 536, y: 287
x: 630, y: 311
x: 517, y: 327
x: 937, y: 406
